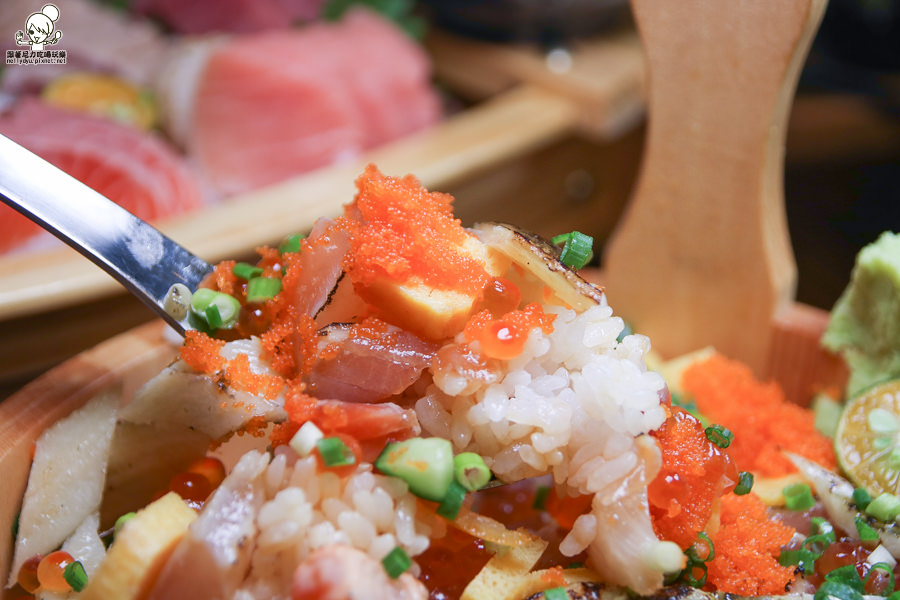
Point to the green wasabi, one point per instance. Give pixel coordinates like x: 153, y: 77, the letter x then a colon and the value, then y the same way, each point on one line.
x: 865, y: 322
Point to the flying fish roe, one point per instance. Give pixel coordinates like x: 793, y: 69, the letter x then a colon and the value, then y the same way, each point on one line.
x: 223, y: 278
x: 694, y: 474
x: 407, y: 231
x: 300, y: 408
x: 202, y: 353
x: 764, y: 423
x: 240, y: 376
x: 747, y: 548
x: 505, y: 338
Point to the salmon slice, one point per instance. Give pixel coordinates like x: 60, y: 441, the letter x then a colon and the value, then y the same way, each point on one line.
x: 136, y: 170
x: 272, y: 105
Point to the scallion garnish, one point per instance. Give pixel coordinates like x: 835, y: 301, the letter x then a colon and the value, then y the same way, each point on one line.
x: 470, y: 471
x: 225, y: 314
x: 816, y: 544
x: 260, y: 289
x: 798, y: 496
x: 452, y: 502
x: 246, y: 271
x: 861, y: 498
x: 835, y: 590
x: 720, y: 436
x: 120, y: 522
x: 557, y: 593
x: 396, y: 562
x: 885, y: 507
x: 540, y: 498
x: 745, y: 483
x: 804, y: 559
x: 695, y: 572
x: 334, y: 452
x: 578, y: 250
x: 820, y: 526
x: 846, y: 575
x: 291, y: 243
x: 75, y: 575
x: 866, y: 532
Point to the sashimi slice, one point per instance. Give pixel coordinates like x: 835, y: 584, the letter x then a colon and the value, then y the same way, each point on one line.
x: 395, y: 101
x: 234, y: 16
x: 134, y: 169
x: 265, y: 111
x: 276, y: 104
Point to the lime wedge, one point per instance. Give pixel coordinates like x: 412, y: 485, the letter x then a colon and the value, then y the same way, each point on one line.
x: 867, y: 441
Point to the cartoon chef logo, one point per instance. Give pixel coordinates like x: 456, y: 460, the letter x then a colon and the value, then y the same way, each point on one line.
x: 39, y: 29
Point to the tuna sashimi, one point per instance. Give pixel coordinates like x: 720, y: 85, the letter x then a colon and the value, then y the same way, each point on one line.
x: 134, y: 169
x: 235, y: 16
x: 271, y: 105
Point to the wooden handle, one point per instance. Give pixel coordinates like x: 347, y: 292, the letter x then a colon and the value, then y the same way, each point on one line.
x: 702, y: 255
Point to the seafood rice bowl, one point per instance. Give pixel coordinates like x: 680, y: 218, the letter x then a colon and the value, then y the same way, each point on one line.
x: 337, y: 420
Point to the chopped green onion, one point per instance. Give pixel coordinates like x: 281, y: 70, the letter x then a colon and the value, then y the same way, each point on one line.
x: 894, y: 596
x: 425, y: 464
x: 335, y: 453
x: 120, y: 522
x: 246, y: 271
x: 306, y: 438
x: 886, y: 507
x: 540, y: 498
x: 881, y: 566
x: 626, y: 331
x: 804, y: 559
x: 396, y: 562
x: 578, y: 249
x: 75, y: 576
x: 291, y: 243
x: 227, y: 308
x: 861, y: 498
x: 846, y: 575
x: 470, y: 471
x: 798, y: 496
x: 213, y: 316
x: 557, y: 593
x: 866, y: 532
x: 816, y: 544
x: 720, y: 436
x: 452, y: 502
x: 820, y: 526
x: 835, y: 590
x: 575, y: 565
x: 260, y: 289
x: 745, y: 483
x: 710, y: 548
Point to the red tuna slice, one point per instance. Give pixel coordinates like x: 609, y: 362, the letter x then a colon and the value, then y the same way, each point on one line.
x: 268, y: 108
x: 134, y: 169
x: 397, y: 100
x: 234, y: 16
x: 367, y: 362
x: 272, y: 105
x: 319, y: 266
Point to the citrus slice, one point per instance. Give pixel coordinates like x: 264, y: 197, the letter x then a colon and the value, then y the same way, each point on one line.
x: 867, y: 441
x: 103, y: 95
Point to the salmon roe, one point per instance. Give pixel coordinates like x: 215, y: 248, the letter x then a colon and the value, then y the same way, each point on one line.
x: 694, y: 475
x: 27, y: 576
x: 407, y: 231
x: 765, y: 424
x: 50, y: 572
x: 505, y: 338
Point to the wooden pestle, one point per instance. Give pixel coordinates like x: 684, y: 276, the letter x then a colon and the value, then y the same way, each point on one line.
x: 702, y: 255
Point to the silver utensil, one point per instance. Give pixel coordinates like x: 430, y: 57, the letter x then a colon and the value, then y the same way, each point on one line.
x: 148, y: 264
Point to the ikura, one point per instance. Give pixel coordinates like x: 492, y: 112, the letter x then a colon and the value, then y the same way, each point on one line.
x: 50, y: 572
x: 197, y: 481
